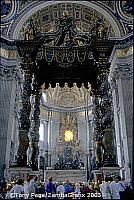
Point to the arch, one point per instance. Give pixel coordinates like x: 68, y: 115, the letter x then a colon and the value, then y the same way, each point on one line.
x: 15, y: 29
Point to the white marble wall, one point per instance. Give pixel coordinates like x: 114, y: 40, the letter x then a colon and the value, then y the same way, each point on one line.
x: 54, y: 136
x: 82, y: 130
x: 85, y: 135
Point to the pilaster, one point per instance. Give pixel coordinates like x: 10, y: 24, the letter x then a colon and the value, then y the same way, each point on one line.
x: 9, y: 75
x: 121, y: 79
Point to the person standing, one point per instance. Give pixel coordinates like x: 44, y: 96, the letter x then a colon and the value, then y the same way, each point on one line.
x: 29, y: 188
x: 77, y: 188
x: 26, y: 186
x: 121, y: 187
x: 68, y: 187
x: 50, y: 186
x: 105, y: 189
x: 60, y: 189
x: 87, y: 188
x: 3, y: 185
x: 17, y: 189
x: 36, y: 185
x: 114, y: 189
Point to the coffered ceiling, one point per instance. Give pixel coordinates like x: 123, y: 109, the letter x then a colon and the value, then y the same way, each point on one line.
x: 85, y: 17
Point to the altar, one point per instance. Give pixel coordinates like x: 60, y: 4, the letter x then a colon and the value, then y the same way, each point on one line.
x: 63, y: 175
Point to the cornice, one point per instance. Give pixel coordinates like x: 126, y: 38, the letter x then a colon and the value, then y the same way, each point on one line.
x: 58, y: 109
x: 122, y: 45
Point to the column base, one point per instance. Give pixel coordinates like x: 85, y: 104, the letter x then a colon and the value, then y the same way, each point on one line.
x: 20, y: 162
x: 16, y: 172
x: 34, y: 167
x: 63, y: 175
x: 34, y: 173
x: 97, y: 175
x: 108, y: 171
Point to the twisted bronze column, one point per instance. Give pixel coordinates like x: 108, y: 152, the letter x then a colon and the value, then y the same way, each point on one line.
x: 27, y: 52
x: 99, y: 147
x: 107, y: 125
x: 24, y: 121
x: 103, y: 122
x: 33, y: 134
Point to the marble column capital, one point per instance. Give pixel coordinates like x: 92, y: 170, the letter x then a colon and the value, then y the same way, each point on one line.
x: 123, y: 71
x: 10, y: 73
x: 43, y: 121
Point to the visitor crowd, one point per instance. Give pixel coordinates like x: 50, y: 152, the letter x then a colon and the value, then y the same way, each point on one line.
x: 32, y: 188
